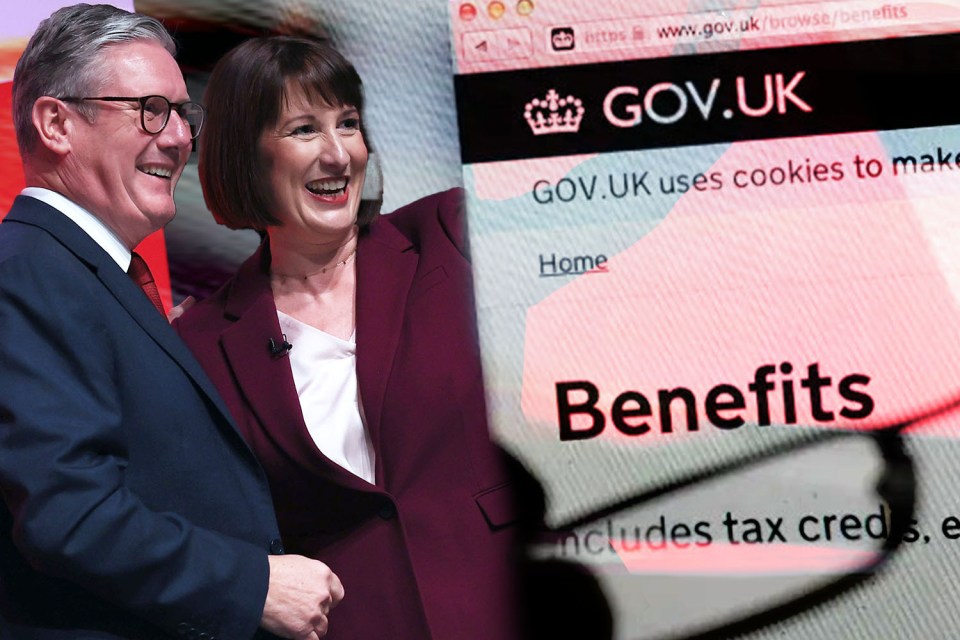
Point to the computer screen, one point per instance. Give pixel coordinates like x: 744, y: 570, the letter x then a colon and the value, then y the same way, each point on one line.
x: 703, y: 232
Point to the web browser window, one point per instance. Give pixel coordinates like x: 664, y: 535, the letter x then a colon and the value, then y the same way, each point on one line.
x: 705, y: 233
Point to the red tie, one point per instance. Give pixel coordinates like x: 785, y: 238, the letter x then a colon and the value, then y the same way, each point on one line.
x: 139, y: 272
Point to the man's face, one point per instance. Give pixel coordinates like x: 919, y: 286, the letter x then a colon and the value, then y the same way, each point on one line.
x: 119, y: 172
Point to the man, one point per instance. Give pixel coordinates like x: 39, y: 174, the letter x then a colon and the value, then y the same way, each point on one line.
x: 132, y: 508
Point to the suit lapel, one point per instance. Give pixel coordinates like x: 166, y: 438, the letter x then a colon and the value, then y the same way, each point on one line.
x: 265, y: 380
x: 131, y: 298
x: 386, y: 265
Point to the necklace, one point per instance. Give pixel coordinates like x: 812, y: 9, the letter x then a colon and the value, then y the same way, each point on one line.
x: 323, y: 270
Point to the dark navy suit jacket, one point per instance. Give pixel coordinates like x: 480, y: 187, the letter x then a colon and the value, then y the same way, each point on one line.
x: 427, y: 551
x: 132, y: 508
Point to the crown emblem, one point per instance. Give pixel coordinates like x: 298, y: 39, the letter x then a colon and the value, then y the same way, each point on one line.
x: 562, y: 39
x: 554, y: 114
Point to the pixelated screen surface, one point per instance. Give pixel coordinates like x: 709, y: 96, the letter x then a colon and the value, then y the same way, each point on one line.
x: 704, y: 232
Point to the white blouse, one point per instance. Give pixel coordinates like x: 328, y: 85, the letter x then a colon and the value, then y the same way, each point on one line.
x: 325, y: 372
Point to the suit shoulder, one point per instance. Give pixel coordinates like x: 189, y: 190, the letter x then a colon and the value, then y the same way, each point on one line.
x: 442, y: 205
x: 45, y: 290
x: 30, y: 242
x: 32, y: 259
x: 439, y: 214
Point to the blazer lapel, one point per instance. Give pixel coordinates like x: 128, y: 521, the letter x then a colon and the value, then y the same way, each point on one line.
x: 130, y: 297
x: 386, y: 265
x: 266, y: 380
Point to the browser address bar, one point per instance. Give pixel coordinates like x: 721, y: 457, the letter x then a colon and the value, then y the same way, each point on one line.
x: 741, y: 24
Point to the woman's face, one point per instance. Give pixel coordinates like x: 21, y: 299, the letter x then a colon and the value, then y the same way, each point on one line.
x: 317, y: 160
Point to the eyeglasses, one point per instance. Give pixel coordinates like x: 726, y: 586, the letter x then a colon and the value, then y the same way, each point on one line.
x: 155, y: 112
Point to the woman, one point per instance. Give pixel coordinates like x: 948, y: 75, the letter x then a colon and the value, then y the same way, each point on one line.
x: 346, y: 349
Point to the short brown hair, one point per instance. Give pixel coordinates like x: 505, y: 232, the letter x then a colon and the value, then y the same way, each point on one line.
x: 244, y: 96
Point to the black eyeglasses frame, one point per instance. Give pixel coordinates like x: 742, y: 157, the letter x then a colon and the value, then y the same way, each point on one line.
x: 179, y: 107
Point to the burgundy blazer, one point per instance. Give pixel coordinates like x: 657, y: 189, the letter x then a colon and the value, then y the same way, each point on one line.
x: 427, y: 551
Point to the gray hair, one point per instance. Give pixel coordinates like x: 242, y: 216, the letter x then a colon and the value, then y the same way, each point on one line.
x: 63, y: 56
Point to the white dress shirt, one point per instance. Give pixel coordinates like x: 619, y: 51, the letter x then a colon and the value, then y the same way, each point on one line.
x: 325, y: 372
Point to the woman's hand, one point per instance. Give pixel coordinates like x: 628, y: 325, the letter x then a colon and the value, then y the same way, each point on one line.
x: 180, y: 309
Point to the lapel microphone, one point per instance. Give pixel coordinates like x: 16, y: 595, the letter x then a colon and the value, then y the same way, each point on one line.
x: 281, y: 348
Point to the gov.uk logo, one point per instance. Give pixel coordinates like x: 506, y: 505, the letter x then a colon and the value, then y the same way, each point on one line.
x: 562, y: 39
x: 554, y: 114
